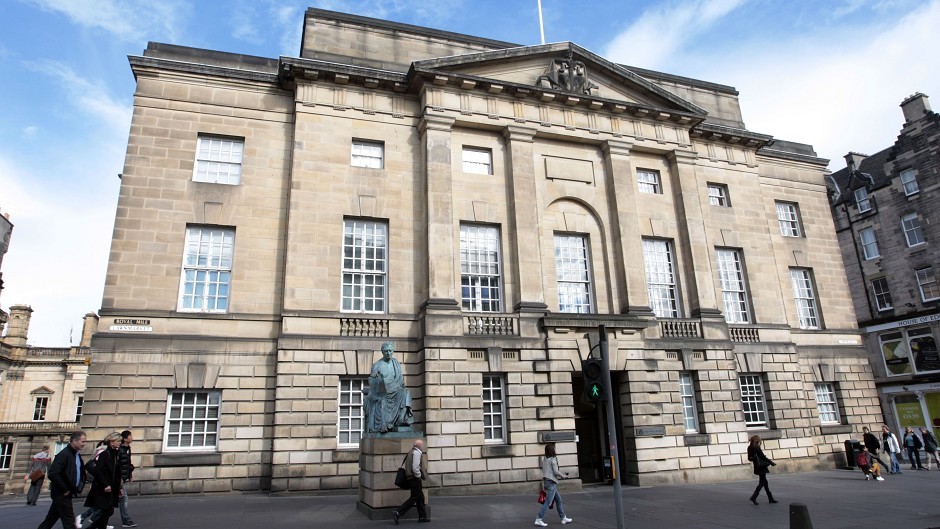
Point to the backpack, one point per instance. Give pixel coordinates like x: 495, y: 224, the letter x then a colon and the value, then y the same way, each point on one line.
x: 861, y: 459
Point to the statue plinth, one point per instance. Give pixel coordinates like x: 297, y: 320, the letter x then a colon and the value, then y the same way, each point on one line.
x: 380, y: 455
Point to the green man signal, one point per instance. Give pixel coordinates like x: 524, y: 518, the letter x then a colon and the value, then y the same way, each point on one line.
x: 593, y: 371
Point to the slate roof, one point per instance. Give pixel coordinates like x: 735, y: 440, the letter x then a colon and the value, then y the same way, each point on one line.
x: 873, y: 165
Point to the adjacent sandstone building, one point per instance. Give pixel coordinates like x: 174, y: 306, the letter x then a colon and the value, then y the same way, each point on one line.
x: 484, y: 206
x: 885, y: 208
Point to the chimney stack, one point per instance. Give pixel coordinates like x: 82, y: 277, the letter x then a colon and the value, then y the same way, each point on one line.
x: 18, y: 325
x: 853, y: 160
x: 915, y: 107
x: 89, y: 328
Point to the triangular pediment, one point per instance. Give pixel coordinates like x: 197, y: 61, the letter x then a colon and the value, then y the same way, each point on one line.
x: 41, y: 390
x: 565, y: 68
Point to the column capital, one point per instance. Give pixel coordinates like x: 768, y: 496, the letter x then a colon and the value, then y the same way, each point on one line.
x: 435, y: 122
x: 682, y: 156
x: 518, y: 133
x: 616, y: 147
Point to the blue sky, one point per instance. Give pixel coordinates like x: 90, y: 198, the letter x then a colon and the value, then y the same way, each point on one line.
x: 830, y: 73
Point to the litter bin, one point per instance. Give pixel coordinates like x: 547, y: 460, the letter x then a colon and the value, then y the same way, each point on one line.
x: 852, y: 448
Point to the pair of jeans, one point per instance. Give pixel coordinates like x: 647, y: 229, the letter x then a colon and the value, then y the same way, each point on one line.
x: 122, y: 504
x: 61, y: 509
x: 895, y: 466
x: 913, y: 455
x: 551, y: 494
x: 931, y: 455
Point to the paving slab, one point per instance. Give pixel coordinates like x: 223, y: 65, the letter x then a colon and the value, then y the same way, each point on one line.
x: 836, y: 499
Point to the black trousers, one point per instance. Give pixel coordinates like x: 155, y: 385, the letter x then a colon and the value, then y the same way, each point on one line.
x: 762, y: 484
x: 416, y: 499
x: 61, y: 509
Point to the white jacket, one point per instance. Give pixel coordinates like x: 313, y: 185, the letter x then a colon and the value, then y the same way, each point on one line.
x: 892, y: 444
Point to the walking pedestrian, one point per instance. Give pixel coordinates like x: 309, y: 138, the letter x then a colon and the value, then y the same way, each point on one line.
x: 892, y: 447
x: 66, y: 480
x: 550, y: 477
x: 106, y: 487
x: 930, y: 447
x: 36, y: 474
x: 761, y: 465
x: 913, y: 445
x: 91, y: 514
x: 416, y: 471
x: 127, y: 474
x: 871, y: 442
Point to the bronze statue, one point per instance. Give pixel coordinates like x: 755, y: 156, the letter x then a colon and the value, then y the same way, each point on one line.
x: 388, y: 402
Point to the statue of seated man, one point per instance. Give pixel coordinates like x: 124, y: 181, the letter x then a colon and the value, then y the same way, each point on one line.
x: 388, y: 403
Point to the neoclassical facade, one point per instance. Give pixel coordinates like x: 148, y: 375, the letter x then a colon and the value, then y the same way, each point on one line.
x: 486, y: 207
x: 885, y: 208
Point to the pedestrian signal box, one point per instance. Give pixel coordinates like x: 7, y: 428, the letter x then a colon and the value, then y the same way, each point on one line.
x: 593, y: 371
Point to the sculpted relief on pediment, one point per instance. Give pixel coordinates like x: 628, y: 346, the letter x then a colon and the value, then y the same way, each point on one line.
x: 567, y: 75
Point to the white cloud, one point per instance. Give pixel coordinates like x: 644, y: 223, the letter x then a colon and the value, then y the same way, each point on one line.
x: 838, y: 88
x: 30, y: 132
x: 663, y: 32
x: 89, y: 97
x: 125, y: 19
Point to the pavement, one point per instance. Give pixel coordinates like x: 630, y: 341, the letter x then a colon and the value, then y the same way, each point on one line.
x: 835, y: 499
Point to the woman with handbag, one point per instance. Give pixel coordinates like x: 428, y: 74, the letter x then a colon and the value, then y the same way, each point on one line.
x: 550, y: 477
x: 106, y: 487
x: 761, y: 466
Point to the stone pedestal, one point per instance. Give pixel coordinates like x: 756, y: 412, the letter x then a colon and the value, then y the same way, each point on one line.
x: 380, y: 455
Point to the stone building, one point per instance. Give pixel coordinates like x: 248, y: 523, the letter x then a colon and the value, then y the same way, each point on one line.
x: 41, y: 395
x: 885, y: 208
x: 485, y: 206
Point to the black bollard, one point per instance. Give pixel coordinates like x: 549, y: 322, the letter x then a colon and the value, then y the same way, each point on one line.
x: 799, y: 516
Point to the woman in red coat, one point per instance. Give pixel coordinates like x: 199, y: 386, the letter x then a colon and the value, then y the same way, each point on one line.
x: 106, y: 487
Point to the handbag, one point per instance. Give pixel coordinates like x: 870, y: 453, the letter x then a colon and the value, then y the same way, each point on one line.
x: 36, y: 475
x: 542, y: 496
x: 401, y: 481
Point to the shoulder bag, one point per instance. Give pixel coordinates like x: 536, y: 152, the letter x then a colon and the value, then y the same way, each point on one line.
x: 401, y: 481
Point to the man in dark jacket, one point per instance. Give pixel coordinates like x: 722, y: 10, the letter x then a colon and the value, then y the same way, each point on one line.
x: 127, y: 474
x: 872, y: 444
x: 66, y: 480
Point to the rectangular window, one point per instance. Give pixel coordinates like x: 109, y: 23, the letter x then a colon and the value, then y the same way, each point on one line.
x: 648, y: 181
x: 572, y: 274
x: 718, y: 195
x: 6, y: 456
x: 803, y: 293
x: 78, y: 408
x: 789, y: 217
x: 927, y: 283
x: 192, y: 420
x: 661, y: 278
x: 365, y: 266
x: 369, y: 154
x: 207, y: 269
x: 879, y: 287
x: 350, y: 427
x: 687, y: 394
x: 913, y: 233
x: 494, y: 409
x: 218, y: 160
x: 909, y: 181
x: 862, y: 200
x: 869, y: 243
x: 826, y: 403
x: 477, y: 161
x: 39, y: 410
x: 752, y: 400
x: 480, y: 269
x: 733, y: 286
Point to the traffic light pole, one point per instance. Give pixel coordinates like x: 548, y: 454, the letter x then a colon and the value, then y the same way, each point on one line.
x: 611, y: 427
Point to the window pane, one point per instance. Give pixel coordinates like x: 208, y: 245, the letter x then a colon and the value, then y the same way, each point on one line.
x: 909, y: 181
x: 192, y: 420
x: 367, y: 154
x: 869, y: 243
x: 826, y: 403
x: 648, y: 181
x: 351, y: 412
x: 218, y: 160
x: 733, y: 287
x: 805, y: 298
x: 789, y: 219
x: 572, y: 274
x: 207, y: 266
x: 660, y: 278
x: 494, y: 419
x: 913, y: 233
x: 687, y: 394
x: 477, y: 161
x: 365, y: 247
x: 927, y: 282
x: 879, y: 288
x: 752, y: 400
x: 480, y: 278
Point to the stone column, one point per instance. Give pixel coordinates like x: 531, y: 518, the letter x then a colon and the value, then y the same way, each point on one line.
x: 699, y: 271
x: 524, y: 222
x: 628, y: 270
x: 438, y: 168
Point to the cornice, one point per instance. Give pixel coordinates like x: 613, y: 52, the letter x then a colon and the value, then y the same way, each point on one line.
x: 140, y: 63
x: 714, y: 132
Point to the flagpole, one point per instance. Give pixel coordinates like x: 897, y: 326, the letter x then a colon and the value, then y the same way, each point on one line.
x: 541, y: 24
